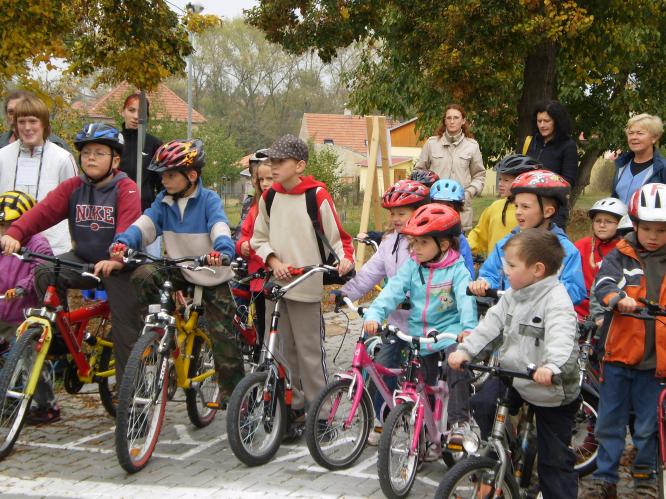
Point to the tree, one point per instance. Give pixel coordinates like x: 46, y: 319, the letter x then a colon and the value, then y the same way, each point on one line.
x: 497, y: 58
x: 324, y: 165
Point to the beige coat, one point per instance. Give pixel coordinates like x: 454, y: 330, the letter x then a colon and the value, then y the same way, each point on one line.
x: 461, y: 161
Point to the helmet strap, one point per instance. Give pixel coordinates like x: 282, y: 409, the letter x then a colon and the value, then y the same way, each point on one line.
x: 108, y: 173
x: 183, y: 192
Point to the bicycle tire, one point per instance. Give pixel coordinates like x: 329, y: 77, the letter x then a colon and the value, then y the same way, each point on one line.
x: 15, y: 374
x: 240, y: 410
x: 139, y: 418
x: 390, y: 454
x: 584, y: 443
x: 198, y: 399
x: 327, y: 445
x: 107, y: 391
x: 474, y: 467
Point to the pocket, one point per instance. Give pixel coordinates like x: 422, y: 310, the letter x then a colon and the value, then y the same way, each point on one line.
x: 531, y: 331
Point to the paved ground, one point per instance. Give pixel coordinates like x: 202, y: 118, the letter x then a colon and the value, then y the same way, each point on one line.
x: 75, y: 457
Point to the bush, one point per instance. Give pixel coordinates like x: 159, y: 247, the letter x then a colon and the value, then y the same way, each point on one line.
x: 324, y: 165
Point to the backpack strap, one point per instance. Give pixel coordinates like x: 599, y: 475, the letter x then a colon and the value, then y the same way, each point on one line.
x: 526, y: 144
x: 322, y: 241
x: 270, y: 195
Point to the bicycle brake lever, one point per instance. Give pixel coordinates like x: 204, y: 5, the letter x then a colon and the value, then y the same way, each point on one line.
x: 93, y: 276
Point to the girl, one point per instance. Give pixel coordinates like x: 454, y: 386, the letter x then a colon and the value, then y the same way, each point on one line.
x: 401, y: 199
x: 262, y: 179
x: 435, y: 277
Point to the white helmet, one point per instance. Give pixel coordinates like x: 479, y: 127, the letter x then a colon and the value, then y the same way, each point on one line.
x: 625, y: 224
x: 608, y: 205
x: 648, y: 204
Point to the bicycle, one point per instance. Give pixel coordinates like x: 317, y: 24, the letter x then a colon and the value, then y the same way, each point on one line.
x: 53, y: 331
x: 375, y: 247
x: 172, y: 333
x: 259, y: 413
x: 340, y: 418
x: 413, y: 424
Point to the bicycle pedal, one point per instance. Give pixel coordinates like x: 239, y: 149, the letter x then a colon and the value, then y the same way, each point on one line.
x: 213, y: 405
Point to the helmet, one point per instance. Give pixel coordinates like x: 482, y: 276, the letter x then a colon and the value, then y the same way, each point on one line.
x: 13, y: 204
x: 625, y: 225
x: 435, y: 220
x: 542, y: 183
x: 446, y: 189
x: 648, y: 204
x: 100, y: 133
x: 178, y: 154
x: 515, y: 164
x: 608, y: 205
x: 259, y: 156
x: 426, y: 177
x: 405, y: 193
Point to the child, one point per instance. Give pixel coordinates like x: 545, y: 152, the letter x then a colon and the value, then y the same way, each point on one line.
x: 537, y: 324
x: 537, y: 195
x: 401, y: 199
x: 436, y: 279
x: 423, y: 176
x: 285, y: 238
x: 262, y: 178
x: 192, y: 221
x: 606, y: 215
x: 99, y: 203
x: 634, y: 357
x: 255, y: 160
x: 499, y: 218
x: 451, y: 193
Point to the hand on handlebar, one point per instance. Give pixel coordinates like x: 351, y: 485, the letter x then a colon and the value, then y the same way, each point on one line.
x: 281, y: 271
x: 543, y: 376
x: 345, y: 266
x: 627, y: 305
x: 9, y: 245
x: 105, y: 267
x: 14, y: 293
x: 371, y: 327
x: 117, y: 251
x: 217, y: 259
x: 457, y: 359
x: 478, y: 287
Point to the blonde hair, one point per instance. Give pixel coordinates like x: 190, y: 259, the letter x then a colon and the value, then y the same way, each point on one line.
x: 34, y: 106
x: 652, y: 124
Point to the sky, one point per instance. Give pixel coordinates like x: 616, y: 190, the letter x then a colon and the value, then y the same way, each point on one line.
x: 225, y: 8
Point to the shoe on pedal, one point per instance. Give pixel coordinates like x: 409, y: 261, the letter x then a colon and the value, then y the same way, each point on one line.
x: 454, y: 441
x: 375, y: 435
x: 600, y: 490
x: 39, y: 416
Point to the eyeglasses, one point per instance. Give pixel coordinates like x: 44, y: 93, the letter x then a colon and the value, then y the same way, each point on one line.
x: 605, y: 222
x: 96, y: 154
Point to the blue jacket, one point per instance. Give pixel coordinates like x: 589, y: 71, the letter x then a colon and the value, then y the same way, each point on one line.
x: 658, y: 174
x: 571, y: 273
x: 438, y: 295
x: 466, y: 253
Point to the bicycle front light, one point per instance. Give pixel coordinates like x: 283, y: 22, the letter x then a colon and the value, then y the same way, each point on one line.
x: 471, y: 442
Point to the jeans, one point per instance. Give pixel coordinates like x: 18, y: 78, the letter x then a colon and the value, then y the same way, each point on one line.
x: 622, y: 390
x: 388, y: 356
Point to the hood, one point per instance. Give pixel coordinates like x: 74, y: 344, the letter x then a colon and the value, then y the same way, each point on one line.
x: 305, y: 184
x: 447, y: 260
x: 534, y: 292
x: 117, y: 177
x: 624, y: 158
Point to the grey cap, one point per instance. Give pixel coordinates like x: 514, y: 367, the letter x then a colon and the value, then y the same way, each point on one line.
x: 289, y: 146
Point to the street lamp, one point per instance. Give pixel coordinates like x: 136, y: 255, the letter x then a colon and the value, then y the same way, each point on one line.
x: 193, y: 8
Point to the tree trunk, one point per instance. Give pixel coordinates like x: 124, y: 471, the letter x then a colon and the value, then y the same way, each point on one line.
x: 584, y: 172
x: 538, y: 85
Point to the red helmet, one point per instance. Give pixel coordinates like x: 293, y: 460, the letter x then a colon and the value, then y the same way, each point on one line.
x: 178, y: 155
x: 542, y: 183
x: 426, y: 177
x: 435, y: 220
x: 405, y: 193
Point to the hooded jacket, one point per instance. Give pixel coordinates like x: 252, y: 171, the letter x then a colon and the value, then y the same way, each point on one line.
x: 490, y: 229
x: 538, y: 326
x: 289, y: 235
x: 254, y: 263
x: 150, y: 181
x: 571, y: 272
x: 438, y: 295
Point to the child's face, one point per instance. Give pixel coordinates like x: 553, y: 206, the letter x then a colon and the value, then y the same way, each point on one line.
x: 504, y: 184
x: 174, y: 181
x: 286, y: 171
x: 264, y: 176
x: 519, y: 274
x: 528, y: 211
x: 604, y: 226
x: 30, y: 130
x: 398, y: 217
x: 427, y: 248
x: 651, y: 235
x: 95, y: 160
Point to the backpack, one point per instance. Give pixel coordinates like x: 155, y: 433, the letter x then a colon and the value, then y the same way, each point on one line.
x: 322, y: 242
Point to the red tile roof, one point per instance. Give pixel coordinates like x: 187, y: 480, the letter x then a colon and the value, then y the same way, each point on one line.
x: 164, y: 104
x: 346, y: 131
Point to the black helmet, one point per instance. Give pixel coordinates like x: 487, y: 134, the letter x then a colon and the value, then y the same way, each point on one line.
x: 426, y: 177
x: 100, y: 133
x: 515, y: 164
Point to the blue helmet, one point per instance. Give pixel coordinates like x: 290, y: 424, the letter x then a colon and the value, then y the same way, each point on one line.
x: 100, y: 133
x: 447, y: 189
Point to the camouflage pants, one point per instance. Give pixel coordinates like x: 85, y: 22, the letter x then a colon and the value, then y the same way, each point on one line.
x: 218, y: 314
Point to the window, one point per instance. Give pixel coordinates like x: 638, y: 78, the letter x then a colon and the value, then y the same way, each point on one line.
x: 329, y: 142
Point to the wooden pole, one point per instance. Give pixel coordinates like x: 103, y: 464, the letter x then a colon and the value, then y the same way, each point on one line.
x: 370, y: 188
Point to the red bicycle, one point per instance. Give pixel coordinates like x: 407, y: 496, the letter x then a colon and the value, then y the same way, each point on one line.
x: 87, y: 350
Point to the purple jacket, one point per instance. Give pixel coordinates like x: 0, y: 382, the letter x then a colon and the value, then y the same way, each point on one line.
x: 384, y: 263
x: 15, y: 273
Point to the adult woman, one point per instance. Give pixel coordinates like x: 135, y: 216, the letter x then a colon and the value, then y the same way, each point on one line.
x: 552, y: 146
x: 642, y: 163
x: 453, y: 153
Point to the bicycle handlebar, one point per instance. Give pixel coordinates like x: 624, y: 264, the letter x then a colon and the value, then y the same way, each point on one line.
x: 368, y: 242
x: 499, y: 372
x: 18, y: 291
x: 650, y: 311
x: 199, y: 262
x: 490, y: 293
x: 85, y: 269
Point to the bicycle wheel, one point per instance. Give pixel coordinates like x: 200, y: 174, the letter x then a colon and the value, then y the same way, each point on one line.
x: 203, y: 398
x: 255, y: 423
x: 583, y: 442
x: 141, y: 403
x: 396, y: 467
x: 14, y: 400
x: 466, y: 480
x: 661, y: 455
x: 107, y: 386
x: 333, y: 445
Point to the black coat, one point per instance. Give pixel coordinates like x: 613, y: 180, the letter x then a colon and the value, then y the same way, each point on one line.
x: 150, y: 181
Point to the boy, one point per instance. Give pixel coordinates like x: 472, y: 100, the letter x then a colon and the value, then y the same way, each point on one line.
x: 634, y: 356
x: 499, y: 218
x: 99, y: 203
x: 285, y: 238
x: 537, y: 323
x: 537, y: 195
x: 192, y: 221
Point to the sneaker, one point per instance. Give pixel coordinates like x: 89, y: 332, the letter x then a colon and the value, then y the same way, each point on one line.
x: 645, y: 489
x: 38, y: 416
x: 325, y: 432
x: 432, y: 454
x: 375, y: 435
x: 454, y: 442
x: 600, y: 490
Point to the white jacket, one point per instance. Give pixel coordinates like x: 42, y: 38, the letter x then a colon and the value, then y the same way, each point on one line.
x: 57, y: 166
